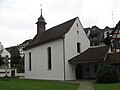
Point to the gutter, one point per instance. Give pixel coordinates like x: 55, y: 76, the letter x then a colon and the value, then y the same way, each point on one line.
x: 29, y: 46
x: 64, y: 58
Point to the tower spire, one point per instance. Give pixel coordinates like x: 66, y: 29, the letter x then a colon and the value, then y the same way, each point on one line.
x: 41, y: 9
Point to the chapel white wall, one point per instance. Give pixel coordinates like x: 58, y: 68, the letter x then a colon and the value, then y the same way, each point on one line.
x: 39, y: 68
x: 75, y: 34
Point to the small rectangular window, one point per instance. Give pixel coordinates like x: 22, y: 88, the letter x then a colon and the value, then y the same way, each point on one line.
x: 78, y: 47
x: 29, y: 61
x: 49, y: 58
x: 77, y: 24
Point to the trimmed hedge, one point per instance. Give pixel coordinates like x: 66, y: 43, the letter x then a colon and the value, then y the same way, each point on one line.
x: 107, y: 74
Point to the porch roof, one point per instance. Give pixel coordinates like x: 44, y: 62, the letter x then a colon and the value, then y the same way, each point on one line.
x: 113, y: 58
x: 91, y: 55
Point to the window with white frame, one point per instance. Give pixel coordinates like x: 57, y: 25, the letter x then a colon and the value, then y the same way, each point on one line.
x: 49, y: 58
x: 78, y: 47
x: 29, y: 61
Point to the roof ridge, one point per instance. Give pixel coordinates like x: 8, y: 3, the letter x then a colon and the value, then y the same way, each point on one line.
x: 62, y: 23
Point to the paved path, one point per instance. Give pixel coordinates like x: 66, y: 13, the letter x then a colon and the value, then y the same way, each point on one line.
x: 85, y: 85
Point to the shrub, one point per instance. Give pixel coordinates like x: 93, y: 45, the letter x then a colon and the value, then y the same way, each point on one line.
x: 1, y: 60
x: 107, y: 74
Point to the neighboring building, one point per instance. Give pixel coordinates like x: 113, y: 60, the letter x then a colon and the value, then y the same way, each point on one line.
x: 98, y: 54
x: 97, y: 35
x: 105, y: 48
x: 115, y: 38
x: 4, y: 53
x: 47, y: 56
x: 107, y: 30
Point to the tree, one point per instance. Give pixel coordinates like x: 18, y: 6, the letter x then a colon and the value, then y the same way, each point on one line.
x: 107, y: 74
x: 15, y: 55
x: 16, y: 60
x: 1, y: 60
x: 107, y: 41
x: 6, y: 63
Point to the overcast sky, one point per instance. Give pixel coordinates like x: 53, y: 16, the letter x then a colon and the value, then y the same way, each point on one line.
x: 18, y: 17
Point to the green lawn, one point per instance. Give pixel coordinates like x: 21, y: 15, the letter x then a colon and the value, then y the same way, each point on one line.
x: 21, y: 84
x: 112, y: 86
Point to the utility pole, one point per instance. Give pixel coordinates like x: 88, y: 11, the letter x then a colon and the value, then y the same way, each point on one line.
x: 113, y: 18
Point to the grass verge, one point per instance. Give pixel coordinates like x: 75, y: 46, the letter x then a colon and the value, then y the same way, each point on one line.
x: 110, y: 86
x: 22, y: 84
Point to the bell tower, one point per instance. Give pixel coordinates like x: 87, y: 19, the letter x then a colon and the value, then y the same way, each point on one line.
x: 41, y: 24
